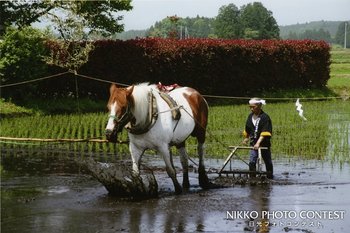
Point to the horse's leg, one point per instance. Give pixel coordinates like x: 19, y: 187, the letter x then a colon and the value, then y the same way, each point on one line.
x: 203, y: 178
x: 168, y: 159
x: 184, y: 162
x: 136, y: 155
x: 200, y: 116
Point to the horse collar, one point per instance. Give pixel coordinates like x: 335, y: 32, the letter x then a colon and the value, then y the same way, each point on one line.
x: 151, y: 118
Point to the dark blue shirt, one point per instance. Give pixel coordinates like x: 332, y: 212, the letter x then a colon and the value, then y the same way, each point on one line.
x: 262, y: 127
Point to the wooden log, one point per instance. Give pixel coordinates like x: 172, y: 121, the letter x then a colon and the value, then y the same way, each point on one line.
x: 119, y: 179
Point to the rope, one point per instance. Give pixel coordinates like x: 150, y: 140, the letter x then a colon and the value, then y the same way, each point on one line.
x: 56, y: 140
x: 212, y: 136
x: 60, y: 74
x: 272, y: 98
x: 34, y: 80
x: 207, y: 96
x: 77, y: 97
x: 20, y: 143
x: 101, y: 80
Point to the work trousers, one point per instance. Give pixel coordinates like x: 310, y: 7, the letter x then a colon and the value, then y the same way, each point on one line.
x: 266, y: 155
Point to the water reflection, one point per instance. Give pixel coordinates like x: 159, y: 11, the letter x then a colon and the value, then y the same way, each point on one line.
x: 339, y: 137
x: 260, y: 199
x: 53, y: 195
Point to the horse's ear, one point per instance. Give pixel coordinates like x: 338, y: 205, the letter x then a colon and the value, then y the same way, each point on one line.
x: 112, y: 88
x: 129, y: 90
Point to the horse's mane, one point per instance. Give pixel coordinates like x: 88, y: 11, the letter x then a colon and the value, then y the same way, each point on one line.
x: 141, y: 107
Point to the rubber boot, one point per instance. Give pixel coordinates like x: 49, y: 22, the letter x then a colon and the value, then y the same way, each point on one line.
x: 252, y: 168
x: 269, y: 171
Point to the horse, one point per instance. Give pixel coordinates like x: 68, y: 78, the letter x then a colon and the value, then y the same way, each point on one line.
x: 149, y: 119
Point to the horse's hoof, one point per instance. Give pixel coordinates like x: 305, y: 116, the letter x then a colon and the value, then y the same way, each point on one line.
x: 185, y: 190
x: 208, y: 185
x: 204, y: 182
x: 214, y: 186
x: 186, y: 185
x: 178, y: 190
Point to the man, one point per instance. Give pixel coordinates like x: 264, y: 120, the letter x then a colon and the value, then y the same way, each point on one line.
x: 258, y: 130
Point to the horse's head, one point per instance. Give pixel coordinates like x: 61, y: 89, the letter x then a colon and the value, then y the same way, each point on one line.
x: 119, y: 106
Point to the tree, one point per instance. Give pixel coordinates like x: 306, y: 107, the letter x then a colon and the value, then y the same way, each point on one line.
x: 314, y: 34
x: 21, y: 60
x: 292, y: 35
x: 199, y: 27
x: 167, y: 28
x: 258, y: 22
x: 99, y: 16
x: 340, y: 36
x: 227, y: 23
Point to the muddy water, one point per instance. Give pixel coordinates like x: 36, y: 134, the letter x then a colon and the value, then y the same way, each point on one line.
x: 53, y: 194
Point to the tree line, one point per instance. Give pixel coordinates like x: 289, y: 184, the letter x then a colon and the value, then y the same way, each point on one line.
x: 322, y: 34
x: 251, y: 21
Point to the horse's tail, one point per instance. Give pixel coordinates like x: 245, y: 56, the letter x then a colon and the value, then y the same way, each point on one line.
x: 199, y: 108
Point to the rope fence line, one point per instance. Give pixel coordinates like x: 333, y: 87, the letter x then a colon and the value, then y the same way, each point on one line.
x: 60, y: 74
x: 273, y: 98
x: 58, y: 140
x: 207, y: 96
x: 96, y: 140
x: 101, y: 80
x: 34, y: 80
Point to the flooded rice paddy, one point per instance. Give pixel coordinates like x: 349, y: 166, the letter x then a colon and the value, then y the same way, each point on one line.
x: 54, y: 194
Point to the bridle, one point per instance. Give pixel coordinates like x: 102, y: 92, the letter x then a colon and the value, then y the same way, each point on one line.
x: 121, y: 121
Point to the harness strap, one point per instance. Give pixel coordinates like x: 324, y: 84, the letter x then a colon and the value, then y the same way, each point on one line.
x: 175, y: 110
x: 153, y: 113
x: 152, y: 117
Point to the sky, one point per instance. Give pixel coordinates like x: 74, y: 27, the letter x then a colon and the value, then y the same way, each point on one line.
x: 146, y: 12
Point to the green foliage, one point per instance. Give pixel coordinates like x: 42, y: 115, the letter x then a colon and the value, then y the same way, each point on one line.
x: 340, y: 71
x: 314, y: 34
x: 252, y: 21
x: 340, y: 36
x: 199, y: 27
x: 330, y: 26
x: 168, y: 27
x: 8, y: 109
x: 255, y: 17
x: 227, y: 23
x: 21, y: 13
x: 99, y: 16
x: 69, y: 55
x: 21, y: 59
x: 330, y: 31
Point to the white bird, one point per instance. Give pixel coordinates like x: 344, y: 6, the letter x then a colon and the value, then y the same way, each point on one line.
x: 300, y: 110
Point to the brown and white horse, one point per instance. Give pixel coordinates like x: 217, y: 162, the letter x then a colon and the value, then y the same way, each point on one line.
x: 130, y: 107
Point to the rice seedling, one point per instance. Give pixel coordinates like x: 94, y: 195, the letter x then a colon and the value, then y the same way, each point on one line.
x: 325, y: 135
